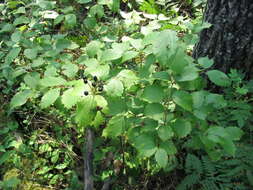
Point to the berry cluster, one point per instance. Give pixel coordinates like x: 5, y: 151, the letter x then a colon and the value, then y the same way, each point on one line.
x: 95, y: 83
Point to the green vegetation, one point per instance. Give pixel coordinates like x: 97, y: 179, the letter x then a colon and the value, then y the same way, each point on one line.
x: 124, y: 70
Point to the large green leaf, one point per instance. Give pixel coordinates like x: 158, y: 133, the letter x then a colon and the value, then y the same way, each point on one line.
x: 93, y: 48
x: 12, y: 55
x: 86, y: 111
x: 154, y: 111
x: 234, y: 133
x: 219, y: 78
x: 31, y: 53
x: 20, y: 98
x: 114, y: 88
x: 161, y: 157
x: 115, y: 127
x: 128, y: 78
x: 183, y: 99
x: 50, y: 97
x: 165, y: 46
x: 153, y: 93
x: 111, y: 54
x: 145, y: 144
x: 52, y: 81
x: 182, y: 127
x: 70, y: 20
x: 165, y: 132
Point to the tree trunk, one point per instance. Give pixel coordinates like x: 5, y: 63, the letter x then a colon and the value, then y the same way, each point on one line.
x: 229, y: 41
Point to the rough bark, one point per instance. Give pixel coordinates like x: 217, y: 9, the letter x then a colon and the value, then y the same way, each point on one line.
x: 230, y: 39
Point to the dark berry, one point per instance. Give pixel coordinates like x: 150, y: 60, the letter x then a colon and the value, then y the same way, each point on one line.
x: 95, y: 78
x: 94, y: 84
x: 100, y: 88
x: 85, y: 80
x: 86, y: 93
x: 99, y: 108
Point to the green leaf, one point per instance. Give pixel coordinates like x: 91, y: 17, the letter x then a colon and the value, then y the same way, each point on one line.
x: 31, y: 53
x: 114, y: 88
x: 115, y: 127
x: 219, y: 78
x: 145, y: 145
x: 182, y: 127
x: 128, y: 78
x: 128, y: 55
x: 83, y: 1
x: 62, y: 44
x: 189, y: 73
x: 32, y: 79
x: 165, y: 45
x: 111, y: 54
x: 90, y: 22
x: 5, y: 156
x: 73, y: 95
x: 183, y: 99
x: 169, y: 147
x: 96, y: 69
x: 228, y: 145
x: 12, y: 55
x: 70, y: 69
x: 70, y: 21
x: 20, y: 98
x: 153, y: 93
x: 93, y: 48
x: 86, y: 111
x: 155, y: 111
x: 161, y: 157
x: 52, y: 81
x: 15, y: 37
x: 234, y: 133
x: 50, y: 97
x: 165, y: 132
x: 205, y: 62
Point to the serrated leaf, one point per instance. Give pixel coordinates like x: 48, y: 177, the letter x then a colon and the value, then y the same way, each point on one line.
x: 128, y: 78
x: 12, y: 55
x: 161, y: 157
x: 115, y: 127
x: 205, y: 62
x: 182, y: 127
x: 50, y: 97
x: 234, y: 133
x: 219, y: 78
x: 86, y: 111
x: 153, y: 93
x: 228, y: 145
x: 70, y: 69
x: 73, y: 95
x: 155, y: 111
x: 165, y: 132
x: 189, y: 73
x: 32, y: 79
x: 183, y: 99
x: 111, y: 54
x: 83, y: 1
x: 52, y: 81
x: 70, y: 20
x: 31, y: 53
x: 145, y: 145
x: 169, y: 147
x: 20, y: 98
x: 114, y: 88
x: 93, y: 48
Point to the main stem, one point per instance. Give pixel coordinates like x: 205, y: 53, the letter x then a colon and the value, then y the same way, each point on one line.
x: 88, y: 161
